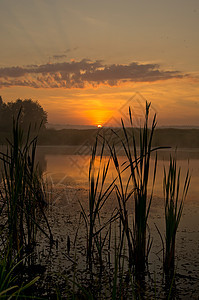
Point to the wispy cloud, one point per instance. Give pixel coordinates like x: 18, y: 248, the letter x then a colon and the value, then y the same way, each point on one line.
x: 59, y: 56
x: 71, y: 49
x: 81, y: 74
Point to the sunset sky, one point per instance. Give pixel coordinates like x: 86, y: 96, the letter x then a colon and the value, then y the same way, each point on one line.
x: 84, y: 59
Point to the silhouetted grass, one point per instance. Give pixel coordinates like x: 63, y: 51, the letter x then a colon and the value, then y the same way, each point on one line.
x: 9, y: 286
x: 22, y: 192
x: 138, y: 162
x: 173, y: 211
x: 23, y: 198
x: 98, y: 195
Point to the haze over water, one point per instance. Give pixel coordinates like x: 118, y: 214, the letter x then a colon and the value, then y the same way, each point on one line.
x: 72, y: 170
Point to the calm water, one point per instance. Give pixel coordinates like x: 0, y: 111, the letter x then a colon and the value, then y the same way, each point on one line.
x: 67, y: 169
x: 68, y: 166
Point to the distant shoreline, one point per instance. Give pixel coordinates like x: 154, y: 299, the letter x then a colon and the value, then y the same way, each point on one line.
x: 176, y: 138
x: 173, y: 137
x: 85, y: 127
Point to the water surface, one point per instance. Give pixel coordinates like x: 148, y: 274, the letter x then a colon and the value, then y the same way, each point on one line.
x: 67, y: 170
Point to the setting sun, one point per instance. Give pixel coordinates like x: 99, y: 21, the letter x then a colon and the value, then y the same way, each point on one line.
x: 99, y: 126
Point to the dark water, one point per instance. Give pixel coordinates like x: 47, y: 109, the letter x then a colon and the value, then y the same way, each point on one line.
x: 67, y: 170
x: 71, y: 165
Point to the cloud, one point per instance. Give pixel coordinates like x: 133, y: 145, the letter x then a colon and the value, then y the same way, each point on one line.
x: 81, y: 74
x: 59, y: 56
x: 71, y: 49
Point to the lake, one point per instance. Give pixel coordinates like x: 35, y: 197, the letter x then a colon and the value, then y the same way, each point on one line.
x: 67, y: 170
x: 69, y: 165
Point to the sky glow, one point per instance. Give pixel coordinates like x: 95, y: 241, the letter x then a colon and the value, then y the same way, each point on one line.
x: 83, y: 60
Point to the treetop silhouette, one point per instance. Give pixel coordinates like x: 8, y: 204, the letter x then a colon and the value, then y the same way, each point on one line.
x: 31, y: 113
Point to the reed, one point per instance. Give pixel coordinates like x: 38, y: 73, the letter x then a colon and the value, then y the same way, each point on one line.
x: 138, y: 162
x: 140, y: 178
x: 123, y: 196
x: 98, y: 194
x: 22, y: 192
x: 9, y: 286
x: 173, y: 206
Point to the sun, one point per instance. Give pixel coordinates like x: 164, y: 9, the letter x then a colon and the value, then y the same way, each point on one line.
x: 99, y: 126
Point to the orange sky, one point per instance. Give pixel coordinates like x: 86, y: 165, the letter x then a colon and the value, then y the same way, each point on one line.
x: 83, y: 61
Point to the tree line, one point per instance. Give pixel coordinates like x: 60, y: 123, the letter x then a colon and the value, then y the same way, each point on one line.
x: 31, y: 112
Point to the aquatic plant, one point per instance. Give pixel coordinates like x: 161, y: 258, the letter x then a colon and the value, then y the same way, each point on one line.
x: 21, y: 191
x: 140, y: 177
x: 173, y: 211
x: 98, y: 194
x: 9, y: 286
x: 138, y: 162
x: 23, y: 199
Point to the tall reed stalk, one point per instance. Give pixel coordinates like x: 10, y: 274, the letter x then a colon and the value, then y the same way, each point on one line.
x: 140, y: 178
x: 138, y: 162
x: 21, y: 190
x: 98, y: 195
x: 173, y: 211
x: 123, y: 195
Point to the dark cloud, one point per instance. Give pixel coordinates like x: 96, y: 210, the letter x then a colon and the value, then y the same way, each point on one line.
x: 59, y: 56
x: 78, y: 74
x: 71, y: 49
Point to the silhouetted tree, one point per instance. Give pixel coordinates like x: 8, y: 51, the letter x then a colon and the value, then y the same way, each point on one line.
x: 31, y: 113
x: 5, y: 117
